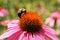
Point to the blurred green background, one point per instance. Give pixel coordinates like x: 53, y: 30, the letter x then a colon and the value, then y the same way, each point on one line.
x: 42, y: 7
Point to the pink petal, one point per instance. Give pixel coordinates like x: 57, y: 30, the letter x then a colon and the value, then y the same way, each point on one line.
x: 51, y: 23
x: 15, y: 36
x: 58, y: 22
x: 53, y: 37
x: 3, y: 12
x: 21, y: 36
x: 43, y: 35
x: 48, y: 29
x: 4, y: 23
x: 39, y: 36
x: 55, y: 14
x: 13, y: 23
x: 57, y: 32
x: 9, y: 32
x: 58, y: 1
x: 36, y: 37
x: 32, y: 37
x: 47, y: 20
x: 26, y: 36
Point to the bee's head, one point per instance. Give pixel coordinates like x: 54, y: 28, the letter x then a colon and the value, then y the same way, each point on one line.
x: 21, y: 12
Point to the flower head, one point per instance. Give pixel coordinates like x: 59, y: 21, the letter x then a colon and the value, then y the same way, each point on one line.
x: 54, y: 18
x: 3, y: 12
x: 28, y: 27
x: 28, y: 23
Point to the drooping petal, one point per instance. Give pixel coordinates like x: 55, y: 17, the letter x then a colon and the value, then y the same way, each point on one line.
x: 3, y: 12
x: 47, y: 20
x: 53, y: 37
x: 13, y: 23
x: 9, y: 32
x: 21, y: 36
x: 39, y: 36
x: 26, y: 36
x: 5, y: 23
x: 31, y: 37
x: 15, y: 36
x: 58, y: 22
x: 36, y: 36
x: 45, y: 37
x: 48, y: 29
x: 51, y: 23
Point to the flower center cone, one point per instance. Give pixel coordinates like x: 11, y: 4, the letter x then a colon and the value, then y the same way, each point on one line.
x: 30, y: 22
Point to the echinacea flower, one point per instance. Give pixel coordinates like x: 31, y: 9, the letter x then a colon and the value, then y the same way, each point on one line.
x: 54, y: 18
x: 3, y: 12
x: 28, y: 27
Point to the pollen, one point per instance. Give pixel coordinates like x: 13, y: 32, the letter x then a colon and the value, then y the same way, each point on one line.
x: 30, y: 22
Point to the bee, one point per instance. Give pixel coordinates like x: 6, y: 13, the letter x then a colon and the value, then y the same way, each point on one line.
x: 29, y: 21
